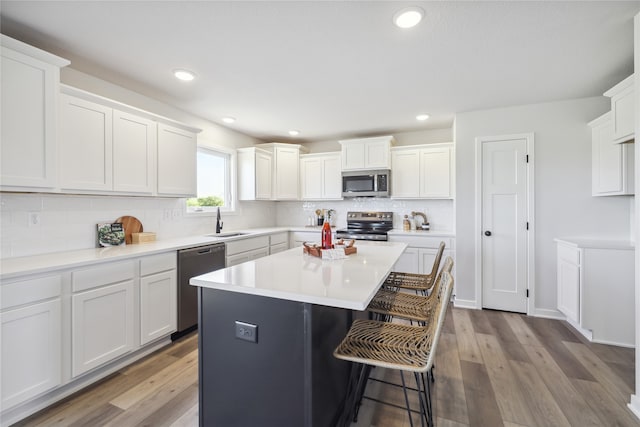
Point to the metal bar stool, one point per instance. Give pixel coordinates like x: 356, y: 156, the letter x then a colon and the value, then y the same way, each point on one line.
x: 373, y: 343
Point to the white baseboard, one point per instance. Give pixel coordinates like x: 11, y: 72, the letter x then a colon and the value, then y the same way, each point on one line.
x: 465, y: 303
x: 548, y: 314
x: 635, y: 405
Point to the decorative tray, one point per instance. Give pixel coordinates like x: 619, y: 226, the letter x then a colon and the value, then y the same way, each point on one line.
x: 316, y: 250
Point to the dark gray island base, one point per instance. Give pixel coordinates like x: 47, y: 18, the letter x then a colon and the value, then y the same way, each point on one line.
x: 289, y: 377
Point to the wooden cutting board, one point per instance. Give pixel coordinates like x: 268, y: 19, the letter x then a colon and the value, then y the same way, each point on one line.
x: 131, y: 224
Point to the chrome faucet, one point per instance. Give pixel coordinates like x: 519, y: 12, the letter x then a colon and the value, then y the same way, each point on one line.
x: 218, y: 222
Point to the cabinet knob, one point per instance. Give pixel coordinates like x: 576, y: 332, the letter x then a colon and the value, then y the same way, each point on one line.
x: 487, y: 233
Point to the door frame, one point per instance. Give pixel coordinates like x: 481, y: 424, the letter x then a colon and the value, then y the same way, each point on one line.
x: 529, y: 137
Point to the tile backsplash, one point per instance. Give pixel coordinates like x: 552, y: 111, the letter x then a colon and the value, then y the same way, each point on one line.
x: 439, y: 212
x: 32, y: 224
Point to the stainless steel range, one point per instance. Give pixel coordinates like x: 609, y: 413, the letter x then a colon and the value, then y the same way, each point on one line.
x: 367, y: 226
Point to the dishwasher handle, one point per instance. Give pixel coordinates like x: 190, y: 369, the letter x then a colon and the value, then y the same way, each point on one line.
x: 201, y: 250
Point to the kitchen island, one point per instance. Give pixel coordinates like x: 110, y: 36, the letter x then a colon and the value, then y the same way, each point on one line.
x: 268, y: 329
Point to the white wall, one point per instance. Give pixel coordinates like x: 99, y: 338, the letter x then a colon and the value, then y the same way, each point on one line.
x: 69, y: 222
x: 563, y: 202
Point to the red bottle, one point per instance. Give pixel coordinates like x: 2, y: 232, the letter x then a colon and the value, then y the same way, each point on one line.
x: 326, y: 235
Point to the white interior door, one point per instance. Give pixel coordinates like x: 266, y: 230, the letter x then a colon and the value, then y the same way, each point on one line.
x: 504, y: 224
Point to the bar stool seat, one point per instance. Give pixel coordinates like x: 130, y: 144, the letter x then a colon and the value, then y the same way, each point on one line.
x: 395, y: 346
x: 390, y: 303
x: 421, y: 283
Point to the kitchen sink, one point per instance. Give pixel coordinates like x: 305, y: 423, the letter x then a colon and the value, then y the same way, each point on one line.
x: 230, y: 234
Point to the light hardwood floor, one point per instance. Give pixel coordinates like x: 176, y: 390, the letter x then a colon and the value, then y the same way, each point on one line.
x: 492, y: 369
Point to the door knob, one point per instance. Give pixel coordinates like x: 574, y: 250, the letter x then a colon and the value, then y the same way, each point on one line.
x: 487, y: 233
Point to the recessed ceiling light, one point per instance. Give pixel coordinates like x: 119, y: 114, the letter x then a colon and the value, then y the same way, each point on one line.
x: 422, y: 117
x: 294, y: 132
x: 184, y: 75
x: 228, y: 119
x: 408, y: 17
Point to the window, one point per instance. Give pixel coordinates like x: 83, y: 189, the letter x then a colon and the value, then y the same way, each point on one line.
x: 214, y: 182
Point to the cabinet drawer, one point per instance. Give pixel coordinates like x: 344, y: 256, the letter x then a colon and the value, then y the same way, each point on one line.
x: 279, y: 238
x: 102, y: 274
x: 431, y: 242
x: 569, y: 254
x: 245, y: 245
x: 157, y: 263
x: 30, y: 290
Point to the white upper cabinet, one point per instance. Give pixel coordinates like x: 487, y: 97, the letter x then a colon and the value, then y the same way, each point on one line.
x: 255, y: 168
x: 320, y: 176
x: 285, y: 171
x: 366, y: 153
x: 405, y: 170
x: 612, y: 165
x: 177, y: 151
x: 29, y: 93
x: 435, y: 172
x: 86, y: 145
x: 623, y: 110
x: 108, y: 147
x: 134, y: 142
x: 422, y: 171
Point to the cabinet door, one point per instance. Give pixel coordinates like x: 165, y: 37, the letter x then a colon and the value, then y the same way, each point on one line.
x: 86, y: 151
x: 28, y: 92
x: 376, y: 154
x: 353, y: 156
x: 427, y: 257
x: 101, y: 325
x: 405, y: 181
x: 311, y: 178
x: 176, y: 162
x: 568, y: 282
x: 31, y: 351
x: 280, y: 247
x: 158, y: 305
x: 611, y: 163
x: 623, y: 109
x: 286, y: 173
x: 332, y: 177
x: 409, y: 261
x: 263, y: 175
x: 435, y: 177
x: 134, y: 141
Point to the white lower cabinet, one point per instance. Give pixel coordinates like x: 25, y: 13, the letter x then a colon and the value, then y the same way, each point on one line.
x: 595, y: 282
x: 409, y: 261
x: 278, y: 243
x: 421, y: 252
x: 31, y: 334
x: 101, y: 325
x: 158, y: 296
x: 297, y: 238
x: 568, y: 282
x: 244, y: 250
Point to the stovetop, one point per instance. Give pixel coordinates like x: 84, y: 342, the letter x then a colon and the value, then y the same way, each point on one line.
x: 367, y: 226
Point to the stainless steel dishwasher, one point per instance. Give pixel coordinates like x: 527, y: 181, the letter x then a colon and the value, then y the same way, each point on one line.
x: 194, y: 262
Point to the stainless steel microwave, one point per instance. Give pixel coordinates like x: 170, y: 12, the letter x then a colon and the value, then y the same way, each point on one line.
x: 373, y: 183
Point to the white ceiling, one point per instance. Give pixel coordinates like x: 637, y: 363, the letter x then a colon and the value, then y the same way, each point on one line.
x: 335, y: 69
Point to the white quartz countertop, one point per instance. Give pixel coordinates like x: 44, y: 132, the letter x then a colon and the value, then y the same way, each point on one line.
x: 596, y: 243
x: 291, y: 275
x: 422, y: 233
x: 11, y: 267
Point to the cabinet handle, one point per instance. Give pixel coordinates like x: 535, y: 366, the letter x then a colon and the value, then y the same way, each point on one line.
x: 487, y: 233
